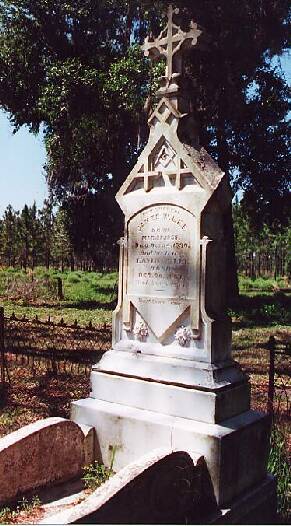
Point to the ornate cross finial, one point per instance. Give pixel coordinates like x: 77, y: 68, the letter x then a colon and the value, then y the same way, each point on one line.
x: 171, y: 43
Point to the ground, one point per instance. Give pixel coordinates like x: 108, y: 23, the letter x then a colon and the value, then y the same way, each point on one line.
x: 38, y: 391
x: 88, y: 296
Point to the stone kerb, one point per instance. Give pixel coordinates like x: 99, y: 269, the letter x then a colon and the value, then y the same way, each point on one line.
x: 162, y: 487
x: 45, y: 452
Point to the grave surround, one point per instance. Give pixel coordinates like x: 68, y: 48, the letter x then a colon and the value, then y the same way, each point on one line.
x: 169, y: 379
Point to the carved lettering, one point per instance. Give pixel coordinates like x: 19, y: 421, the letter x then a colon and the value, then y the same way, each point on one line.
x: 159, y: 252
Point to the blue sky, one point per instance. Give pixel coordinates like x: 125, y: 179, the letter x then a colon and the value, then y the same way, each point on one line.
x: 22, y: 157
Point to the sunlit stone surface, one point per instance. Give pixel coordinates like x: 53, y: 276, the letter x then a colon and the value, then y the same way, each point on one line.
x: 169, y: 380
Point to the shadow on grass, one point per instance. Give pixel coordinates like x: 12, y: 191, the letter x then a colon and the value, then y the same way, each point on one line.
x: 93, y: 304
x: 261, y: 310
x: 109, y: 290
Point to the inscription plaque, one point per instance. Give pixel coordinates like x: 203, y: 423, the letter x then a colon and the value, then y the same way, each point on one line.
x: 161, y: 264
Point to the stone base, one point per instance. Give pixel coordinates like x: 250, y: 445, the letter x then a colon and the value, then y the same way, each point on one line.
x: 183, y: 371
x: 207, y: 406
x: 257, y: 506
x: 236, y: 450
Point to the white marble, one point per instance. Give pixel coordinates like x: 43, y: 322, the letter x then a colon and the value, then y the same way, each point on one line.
x: 169, y: 380
x: 167, y: 399
x: 225, y: 446
x: 165, y: 368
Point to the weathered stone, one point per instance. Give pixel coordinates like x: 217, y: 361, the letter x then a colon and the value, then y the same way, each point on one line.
x: 227, y: 447
x: 163, y: 487
x: 176, y: 400
x: 166, y: 488
x: 89, y: 443
x: 170, y: 379
x: 256, y: 506
x: 46, y: 452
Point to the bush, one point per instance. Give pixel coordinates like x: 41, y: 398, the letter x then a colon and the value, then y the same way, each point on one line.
x: 278, y: 465
x: 24, y: 507
x: 96, y: 474
x: 73, y: 278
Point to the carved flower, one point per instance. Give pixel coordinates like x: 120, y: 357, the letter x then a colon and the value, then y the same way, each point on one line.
x: 183, y: 336
x: 141, y: 330
x: 122, y: 242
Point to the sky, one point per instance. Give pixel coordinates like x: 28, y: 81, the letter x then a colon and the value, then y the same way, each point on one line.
x: 22, y: 157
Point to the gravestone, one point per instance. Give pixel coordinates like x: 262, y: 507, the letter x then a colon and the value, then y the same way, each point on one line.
x: 170, y: 380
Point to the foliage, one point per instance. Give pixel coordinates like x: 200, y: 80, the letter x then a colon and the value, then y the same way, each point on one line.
x: 47, y: 229
x: 264, y: 251
x: 56, y: 237
x: 77, y: 70
x: 61, y: 245
x: 279, y: 466
x: 9, y: 247
x: 96, y: 474
x: 88, y: 296
x: 46, y: 237
x: 262, y: 284
x: 242, y: 98
x: 24, y: 508
x: 258, y: 309
x: 27, y: 401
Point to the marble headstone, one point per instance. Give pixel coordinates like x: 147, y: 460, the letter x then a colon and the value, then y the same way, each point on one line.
x: 169, y: 379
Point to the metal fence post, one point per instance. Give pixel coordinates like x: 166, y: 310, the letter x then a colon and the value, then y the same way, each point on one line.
x: 271, y: 346
x: 2, y: 355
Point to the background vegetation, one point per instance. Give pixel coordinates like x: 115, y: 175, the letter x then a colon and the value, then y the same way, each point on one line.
x: 31, y: 238
x: 74, y: 68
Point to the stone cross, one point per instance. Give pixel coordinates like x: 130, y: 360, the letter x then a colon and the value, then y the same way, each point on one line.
x: 170, y: 43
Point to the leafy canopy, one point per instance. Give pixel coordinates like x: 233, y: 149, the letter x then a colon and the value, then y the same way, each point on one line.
x: 75, y: 67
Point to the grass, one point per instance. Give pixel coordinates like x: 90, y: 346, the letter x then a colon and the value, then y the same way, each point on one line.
x: 262, y: 310
x: 91, y: 296
x: 23, y: 511
x: 279, y: 466
x: 88, y: 296
x: 96, y: 474
x: 263, y: 284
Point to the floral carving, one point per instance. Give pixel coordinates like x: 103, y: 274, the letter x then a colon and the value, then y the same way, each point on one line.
x: 184, y: 336
x: 141, y: 330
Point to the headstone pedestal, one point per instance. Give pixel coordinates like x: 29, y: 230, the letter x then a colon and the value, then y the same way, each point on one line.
x: 170, y: 380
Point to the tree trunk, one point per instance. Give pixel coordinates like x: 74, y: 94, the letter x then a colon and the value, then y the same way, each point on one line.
x: 223, y: 161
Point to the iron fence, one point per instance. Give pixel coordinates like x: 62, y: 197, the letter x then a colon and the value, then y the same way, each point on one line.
x: 74, y: 348
x: 61, y: 347
x: 279, y: 376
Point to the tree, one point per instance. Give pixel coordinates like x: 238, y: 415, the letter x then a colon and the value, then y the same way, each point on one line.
x: 61, y: 243
x: 9, y: 241
x: 46, y: 218
x: 75, y: 70
x: 95, y: 224
x: 29, y: 231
